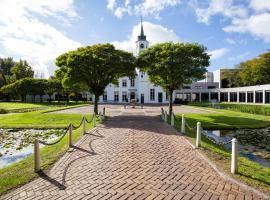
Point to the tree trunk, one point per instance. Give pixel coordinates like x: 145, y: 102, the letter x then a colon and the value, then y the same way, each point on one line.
x: 170, y: 102
x: 96, y: 104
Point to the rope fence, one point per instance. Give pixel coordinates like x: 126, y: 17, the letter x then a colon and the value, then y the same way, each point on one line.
x: 199, y: 131
x: 69, y: 129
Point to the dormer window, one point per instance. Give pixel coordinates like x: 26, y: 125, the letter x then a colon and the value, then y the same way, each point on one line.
x: 142, y: 46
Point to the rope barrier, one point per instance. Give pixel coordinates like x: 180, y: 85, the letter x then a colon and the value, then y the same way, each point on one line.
x: 190, y: 127
x: 58, y: 140
x: 90, y: 119
x: 76, y: 127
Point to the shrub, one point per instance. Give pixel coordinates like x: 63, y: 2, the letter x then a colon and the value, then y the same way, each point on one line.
x: 253, y: 109
x: 3, y: 111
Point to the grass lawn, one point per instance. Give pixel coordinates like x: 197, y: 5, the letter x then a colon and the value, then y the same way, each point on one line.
x: 23, y: 171
x: 249, y: 172
x: 17, y: 105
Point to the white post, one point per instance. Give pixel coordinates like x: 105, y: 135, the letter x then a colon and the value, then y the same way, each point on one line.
x: 162, y: 114
x: 70, y: 136
x: 100, y: 117
x: 94, y: 120
x: 84, y: 124
x: 234, y: 167
x: 37, y: 156
x: 165, y: 116
x: 198, y: 138
x: 172, y: 119
x: 183, y: 127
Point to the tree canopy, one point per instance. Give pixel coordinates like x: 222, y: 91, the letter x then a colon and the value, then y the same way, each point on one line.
x: 171, y: 65
x: 22, y: 70
x: 94, y: 67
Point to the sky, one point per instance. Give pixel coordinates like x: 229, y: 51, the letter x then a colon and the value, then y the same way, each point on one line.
x: 40, y: 30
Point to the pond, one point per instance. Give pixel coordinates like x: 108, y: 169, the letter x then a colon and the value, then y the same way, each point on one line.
x: 17, y: 144
x: 254, y: 144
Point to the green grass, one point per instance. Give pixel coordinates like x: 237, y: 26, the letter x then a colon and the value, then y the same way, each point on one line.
x: 249, y: 172
x: 18, y: 105
x: 22, y: 172
x: 227, y: 119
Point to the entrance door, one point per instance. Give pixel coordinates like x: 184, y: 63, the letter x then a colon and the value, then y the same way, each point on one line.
x: 160, y: 97
x: 132, y: 96
x: 142, y: 98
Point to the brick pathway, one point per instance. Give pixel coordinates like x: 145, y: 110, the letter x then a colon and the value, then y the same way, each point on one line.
x: 131, y: 157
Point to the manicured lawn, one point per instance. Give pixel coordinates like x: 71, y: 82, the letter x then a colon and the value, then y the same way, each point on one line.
x: 250, y: 172
x: 23, y: 171
x: 226, y: 119
x: 15, y: 105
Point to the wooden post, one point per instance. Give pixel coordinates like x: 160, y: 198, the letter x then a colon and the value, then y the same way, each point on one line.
x: 70, y: 136
x: 165, y: 116
x: 198, y: 138
x: 183, y: 127
x: 172, y: 119
x: 84, y: 124
x: 234, y: 167
x: 37, y: 156
x: 94, y: 120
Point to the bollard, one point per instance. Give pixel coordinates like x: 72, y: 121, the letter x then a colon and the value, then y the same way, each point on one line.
x: 162, y: 114
x: 70, y: 136
x: 94, y: 120
x: 198, y: 138
x: 165, y: 116
x: 141, y: 106
x: 125, y: 106
x: 172, y: 119
x: 101, y: 117
x: 234, y: 167
x: 37, y: 156
x: 183, y: 127
x: 84, y: 124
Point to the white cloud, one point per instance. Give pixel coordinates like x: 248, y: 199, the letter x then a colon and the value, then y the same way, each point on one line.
x: 221, y: 7
x: 239, y: 57
x: 230, y: 41
x: 218, y: 53
x: 154, y: 34
x: 145, y: 7
x: 25, y: 36
x: 260, y: 5
x: 256, y: 25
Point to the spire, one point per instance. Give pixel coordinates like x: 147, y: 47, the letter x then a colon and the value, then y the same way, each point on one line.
x: 142, y: 36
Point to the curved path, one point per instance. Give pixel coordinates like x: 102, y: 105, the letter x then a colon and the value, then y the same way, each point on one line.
x: 131, y: 157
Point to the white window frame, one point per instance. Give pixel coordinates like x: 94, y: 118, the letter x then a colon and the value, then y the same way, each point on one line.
x: 124, y: 83
x: 152, y: 94
x: 132, y: 82
x: 116, y: 96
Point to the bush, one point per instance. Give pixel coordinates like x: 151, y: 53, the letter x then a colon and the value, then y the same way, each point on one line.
x: 253, y: 109
x: 3, y: 111
x: 180, y: 101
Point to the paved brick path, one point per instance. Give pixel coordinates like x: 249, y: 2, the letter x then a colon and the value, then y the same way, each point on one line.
x: 131, y: 157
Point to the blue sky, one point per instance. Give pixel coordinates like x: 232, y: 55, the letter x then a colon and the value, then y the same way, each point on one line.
x: 40, y: 30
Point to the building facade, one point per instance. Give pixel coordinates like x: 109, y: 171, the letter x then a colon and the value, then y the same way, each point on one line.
x: 139, y: 89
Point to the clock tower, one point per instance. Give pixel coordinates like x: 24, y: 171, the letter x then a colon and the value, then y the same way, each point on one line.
x: 141, y: 43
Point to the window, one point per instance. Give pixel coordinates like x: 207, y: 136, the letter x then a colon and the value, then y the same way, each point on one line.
x: 152, y: 94
x: 116, y: 96
x: 198, y: 87
x: 124, y: 96
x: 105, y: 96
x: 124, y: 83
x: 211, y: 87
x: 132, y: 83
x: 142, y: 46
x: 186, y: 87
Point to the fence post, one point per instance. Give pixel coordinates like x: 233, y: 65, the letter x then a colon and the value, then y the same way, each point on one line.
x: 70, y: 135
x: 162, y: 114
x: 84, y: 124
x: 165, y: 116
x: 37, y: 156
x: 94, y: 120
x: 234, y: 167
x: 198, y: 138
x: 183, y: 127
x: 172, y: 119
x: 101, y: 117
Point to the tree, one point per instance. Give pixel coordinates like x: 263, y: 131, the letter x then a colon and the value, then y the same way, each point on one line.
x: 256, y: 71
x: 53, y: 86
x: 231, y: 78
x: 95, y: 67
x: 6, y: 64
x: 170, y: 65
x: 22, y: 70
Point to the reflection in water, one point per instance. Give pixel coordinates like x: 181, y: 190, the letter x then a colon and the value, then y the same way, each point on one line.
x: 254, y: 144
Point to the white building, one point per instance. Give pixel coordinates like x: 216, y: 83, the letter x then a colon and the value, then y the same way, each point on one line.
x: 140, y: 89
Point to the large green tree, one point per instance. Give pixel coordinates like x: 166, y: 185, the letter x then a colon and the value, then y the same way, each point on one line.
x: 22, y: 70
x: 170, y: 65
x: 95, y: 67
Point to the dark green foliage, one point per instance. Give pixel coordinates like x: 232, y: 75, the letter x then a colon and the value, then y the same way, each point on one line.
x: 171, y: 65
x: 253, y: 109
x: 94, y: 67
x: 22, y: 70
